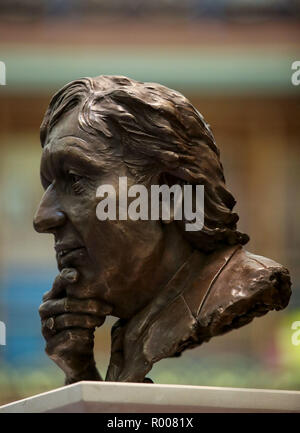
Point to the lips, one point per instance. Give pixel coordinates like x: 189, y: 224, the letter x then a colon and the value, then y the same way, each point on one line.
x: 63, y: 250
x: 66, y: 251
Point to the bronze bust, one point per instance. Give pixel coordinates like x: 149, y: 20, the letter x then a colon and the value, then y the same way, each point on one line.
x: 171, y: 289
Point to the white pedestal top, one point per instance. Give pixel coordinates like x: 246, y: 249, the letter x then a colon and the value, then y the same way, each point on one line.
x: 114, y: 397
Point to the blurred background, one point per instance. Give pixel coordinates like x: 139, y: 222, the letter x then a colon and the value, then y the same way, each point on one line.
x: 232, y: 58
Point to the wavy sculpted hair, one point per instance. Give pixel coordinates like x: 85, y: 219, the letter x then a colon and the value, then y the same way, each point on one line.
x: 160, y: 132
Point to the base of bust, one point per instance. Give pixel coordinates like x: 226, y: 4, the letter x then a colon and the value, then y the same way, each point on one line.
x: 116, y: 397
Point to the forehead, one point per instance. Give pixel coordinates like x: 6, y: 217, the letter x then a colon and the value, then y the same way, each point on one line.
x: 67, y: 133
x: 68, y: 144
x: 67, y: 126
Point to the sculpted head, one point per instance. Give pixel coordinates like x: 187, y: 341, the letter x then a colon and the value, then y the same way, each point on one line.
x: 99, y: 129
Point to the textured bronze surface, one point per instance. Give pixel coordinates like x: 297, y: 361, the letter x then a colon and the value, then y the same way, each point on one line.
x: 171, y: 289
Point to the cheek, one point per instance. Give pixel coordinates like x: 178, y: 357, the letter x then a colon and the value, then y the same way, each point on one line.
x: 143, y: 239
x: 106, y: 240
x: 81, y: 211
x: 115, y: 241
x: 124, y: 244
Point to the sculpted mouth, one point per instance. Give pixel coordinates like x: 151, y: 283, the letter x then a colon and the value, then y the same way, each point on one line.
x: 63, y: 250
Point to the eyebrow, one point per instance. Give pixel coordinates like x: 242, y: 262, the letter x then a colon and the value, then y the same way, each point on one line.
x: 75, y: 153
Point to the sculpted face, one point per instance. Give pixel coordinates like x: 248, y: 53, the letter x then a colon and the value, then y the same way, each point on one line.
x: 115, y: 259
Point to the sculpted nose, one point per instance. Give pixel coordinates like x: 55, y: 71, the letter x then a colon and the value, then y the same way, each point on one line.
x: 48, y: 216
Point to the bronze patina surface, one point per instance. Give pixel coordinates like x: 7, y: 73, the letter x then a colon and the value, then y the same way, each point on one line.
x: 171, y: 289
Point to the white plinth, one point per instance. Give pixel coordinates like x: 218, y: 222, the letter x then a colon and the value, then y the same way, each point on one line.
x: 114, y: 397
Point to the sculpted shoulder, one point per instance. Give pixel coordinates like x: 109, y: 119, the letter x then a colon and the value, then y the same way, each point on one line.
x: 247, y: 286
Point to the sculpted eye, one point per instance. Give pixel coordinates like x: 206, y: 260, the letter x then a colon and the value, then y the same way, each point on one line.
x: 76, y: 181
x: 74, y: 177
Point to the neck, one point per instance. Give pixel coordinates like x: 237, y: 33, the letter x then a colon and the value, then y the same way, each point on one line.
x: 170, y: 259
